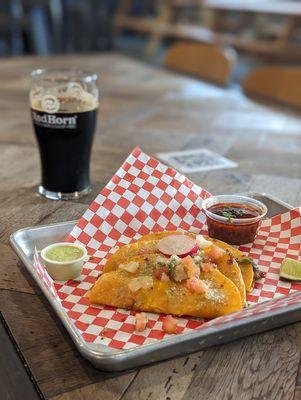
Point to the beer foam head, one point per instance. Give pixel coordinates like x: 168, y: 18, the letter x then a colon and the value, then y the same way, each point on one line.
x: 71, y: 103
x: 63, y: 91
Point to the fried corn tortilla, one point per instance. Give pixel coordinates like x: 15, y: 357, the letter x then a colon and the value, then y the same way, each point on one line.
x: 240, y: 275
x: 130, y: 250
x: 246, y: 268
x: 114, y: 288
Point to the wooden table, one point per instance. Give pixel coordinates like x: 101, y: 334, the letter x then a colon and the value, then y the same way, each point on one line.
x: 159, y: 111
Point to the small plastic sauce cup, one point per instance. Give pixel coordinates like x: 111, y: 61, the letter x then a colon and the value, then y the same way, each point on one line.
x: 64, y: 270
x: 234, y: 230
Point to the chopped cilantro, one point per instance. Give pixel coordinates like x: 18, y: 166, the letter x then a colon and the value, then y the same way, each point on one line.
x: 231, y: 213
x: 171, y: 269
x: 228, y: 215
x: 197, y: 260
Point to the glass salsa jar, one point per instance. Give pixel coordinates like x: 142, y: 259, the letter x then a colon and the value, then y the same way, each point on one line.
x: 233, y: 219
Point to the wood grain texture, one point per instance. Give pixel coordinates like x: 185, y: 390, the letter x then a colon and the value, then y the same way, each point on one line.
x: 260, y: 367
x: 15, y: 383
x: 12, y: 272
x: 45, y: 345
x: 109, y: 389
x: 158, y: 111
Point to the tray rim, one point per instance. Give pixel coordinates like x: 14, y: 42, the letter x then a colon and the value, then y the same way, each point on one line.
x: 111, y: 359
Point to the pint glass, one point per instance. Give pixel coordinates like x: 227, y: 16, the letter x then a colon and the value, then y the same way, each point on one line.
x: 64, y: 107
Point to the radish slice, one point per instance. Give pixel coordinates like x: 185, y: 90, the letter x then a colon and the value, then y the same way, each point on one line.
x: 180, y: 245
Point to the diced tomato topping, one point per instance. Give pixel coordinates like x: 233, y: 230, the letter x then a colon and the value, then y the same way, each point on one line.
x: 196, y: 285
x: 161, y: 274
x: 165, y: 269
x: 157, y: 273
x: 169, y: 324
x: 215, y: 252
x: 191, y: 269
x: 141, y: 322
x: 180, y: 273
x: 207, y: 266
x: 164, y: 277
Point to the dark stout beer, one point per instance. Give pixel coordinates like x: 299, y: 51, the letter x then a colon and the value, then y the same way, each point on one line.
x: 64, y: 107
x: 65, y: 142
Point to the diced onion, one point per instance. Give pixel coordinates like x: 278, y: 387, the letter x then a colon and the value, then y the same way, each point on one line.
x: 180, y: 273
x: 131, y: 267
x: 144, y: 282
x: 202, y: 242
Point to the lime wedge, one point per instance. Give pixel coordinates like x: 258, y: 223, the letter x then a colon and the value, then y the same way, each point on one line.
x: 291, y: 269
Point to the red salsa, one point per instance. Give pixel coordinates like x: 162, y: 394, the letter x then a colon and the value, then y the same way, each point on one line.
x: 233, y: 211
x: 232, y: 228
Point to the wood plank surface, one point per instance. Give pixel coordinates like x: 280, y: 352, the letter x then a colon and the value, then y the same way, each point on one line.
x: 159, y: 111
x: 15, y: 382
x: 260, y: 367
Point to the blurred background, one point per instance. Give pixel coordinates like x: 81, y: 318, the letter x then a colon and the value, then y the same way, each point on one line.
x: 257, y: 31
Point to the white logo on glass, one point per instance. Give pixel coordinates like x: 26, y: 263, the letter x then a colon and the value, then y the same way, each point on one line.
x: 50, y: 104
x: 74, y: 89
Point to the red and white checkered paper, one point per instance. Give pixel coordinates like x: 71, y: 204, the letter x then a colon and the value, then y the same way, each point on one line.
x: 146, y: 196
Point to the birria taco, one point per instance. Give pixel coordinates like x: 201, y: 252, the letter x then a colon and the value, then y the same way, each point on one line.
x: 177, y: 273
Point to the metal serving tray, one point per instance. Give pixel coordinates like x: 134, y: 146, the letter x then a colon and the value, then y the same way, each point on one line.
x: 109, y: 359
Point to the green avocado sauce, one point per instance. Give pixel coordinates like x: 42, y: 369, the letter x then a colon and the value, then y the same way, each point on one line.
x: 64, y: 253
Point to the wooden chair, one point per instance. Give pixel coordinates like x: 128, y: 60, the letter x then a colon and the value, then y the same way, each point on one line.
x: 213, y: 19
x: 281, y: 84
x: 157, y: 25
x: 202, y: 60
